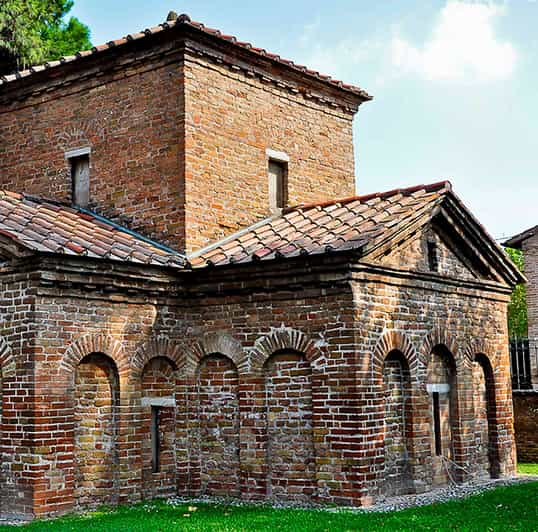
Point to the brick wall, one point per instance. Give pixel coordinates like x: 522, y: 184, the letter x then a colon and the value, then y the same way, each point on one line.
x: 17, y: 355
x: 231, y: 120
x: 398, y: 424
x: 158, y: 381
x: 416, y: 318
x: 291, y: 466
x: 526, y: 425
x: 96, y: 432
x: 263, y: 376
x: 219, y: 425
x: 530, y: 255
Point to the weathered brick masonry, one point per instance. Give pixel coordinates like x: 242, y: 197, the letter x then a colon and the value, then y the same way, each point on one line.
x: 336, y: 352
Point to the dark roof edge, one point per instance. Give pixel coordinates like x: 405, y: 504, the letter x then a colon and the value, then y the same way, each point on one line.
x: 516, y: 240
x: 495, y: 252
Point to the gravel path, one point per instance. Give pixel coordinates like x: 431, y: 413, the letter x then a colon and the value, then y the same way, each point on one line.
x: 388, y: 504
x: 443, y: 494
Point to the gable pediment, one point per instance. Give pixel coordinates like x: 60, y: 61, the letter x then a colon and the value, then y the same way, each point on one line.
x: 464, y: 249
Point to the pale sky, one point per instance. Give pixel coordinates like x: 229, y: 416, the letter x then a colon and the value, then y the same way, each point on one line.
x: 454, y: 84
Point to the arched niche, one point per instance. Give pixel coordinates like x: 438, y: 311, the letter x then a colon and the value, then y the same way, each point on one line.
x: 217, y: 390
x: 441, y: 385
x: 290, y: 453
x: 158, y: 427
x: 96, y: 424
x: 398, y: 425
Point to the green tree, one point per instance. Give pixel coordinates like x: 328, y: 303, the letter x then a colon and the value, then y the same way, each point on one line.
x: 517, y: 308
x: 35, y: 31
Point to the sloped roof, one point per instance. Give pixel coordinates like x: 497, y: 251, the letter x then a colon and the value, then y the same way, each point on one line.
x: 368, y: 224
x: 185, y: 21
x: 350, y: 223
x: 517, y: 240
x: 38, y: 225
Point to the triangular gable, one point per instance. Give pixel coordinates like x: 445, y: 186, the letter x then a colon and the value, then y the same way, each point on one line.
x: 462, y: 235
x: 413, y: 255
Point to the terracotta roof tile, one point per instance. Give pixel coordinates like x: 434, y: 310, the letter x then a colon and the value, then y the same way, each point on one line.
x: 349, y: 223
x: 186, y: 21
x: 41, y: 225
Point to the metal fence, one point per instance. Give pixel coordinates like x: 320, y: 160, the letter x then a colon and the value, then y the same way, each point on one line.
x: 522, y: 350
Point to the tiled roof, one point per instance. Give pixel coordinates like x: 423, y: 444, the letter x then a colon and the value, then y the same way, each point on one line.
x: 186, y: 21
x: 46, y: 226
x: 358, y: 222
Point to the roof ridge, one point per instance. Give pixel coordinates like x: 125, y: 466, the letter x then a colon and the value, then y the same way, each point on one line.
x: 432, y: 187
x: 185, y: 20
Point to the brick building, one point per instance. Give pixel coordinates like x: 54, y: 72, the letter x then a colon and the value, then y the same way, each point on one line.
x: 186, y: 309
x: 526, y: 387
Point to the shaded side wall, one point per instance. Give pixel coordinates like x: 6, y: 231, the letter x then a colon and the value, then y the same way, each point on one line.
x: 132, y: 119
x: 414, y: 318
x: 526, y: 425
x: 17, y: 467
x: 530, y: 256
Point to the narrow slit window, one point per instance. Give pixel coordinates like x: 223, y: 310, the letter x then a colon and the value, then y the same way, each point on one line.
x: 155, y: 440
x: 437, y: 424
x: 433, y: 259
x: 80, y: 179
x: 278, y: 173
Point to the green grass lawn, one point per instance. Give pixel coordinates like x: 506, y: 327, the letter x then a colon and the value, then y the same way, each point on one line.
x: 505, y: 508
x: 527, y: 469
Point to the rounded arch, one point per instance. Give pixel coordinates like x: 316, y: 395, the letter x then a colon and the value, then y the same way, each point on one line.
x: 438, y: 337
x: 213, y: 343
x: 286, y: 339
x: 489, y: 404
x: 480, y: 348
x: 7, y: 360
x: 160, y: 346
x: 394, y: 341
x: 95, y: 343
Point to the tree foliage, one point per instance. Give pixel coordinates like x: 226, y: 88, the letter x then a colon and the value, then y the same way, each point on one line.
x: 517, y: 308
x: 35, y: 31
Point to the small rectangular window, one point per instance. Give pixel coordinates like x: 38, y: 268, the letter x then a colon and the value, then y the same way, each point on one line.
x: 433, y: 259
x: 80, y: 179
x: 437, y: 424
x: 155, y: 440
x: 278, y: 174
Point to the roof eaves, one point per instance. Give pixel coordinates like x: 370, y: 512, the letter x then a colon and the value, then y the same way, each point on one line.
x: 516, y: 240
x: 185, y: 20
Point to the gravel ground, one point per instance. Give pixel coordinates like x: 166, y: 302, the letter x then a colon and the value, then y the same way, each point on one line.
x: 388, y: 504
x: 444, y: 494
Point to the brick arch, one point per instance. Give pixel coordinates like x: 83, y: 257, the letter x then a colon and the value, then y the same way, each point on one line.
x: 95, y: 343
x: 7, y: 360
x: 438, y: 336
x: 286, y: 338
x: 479, y: 346
x: 389, y: 341
x: 159, y: 346
x: 209, y: 344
